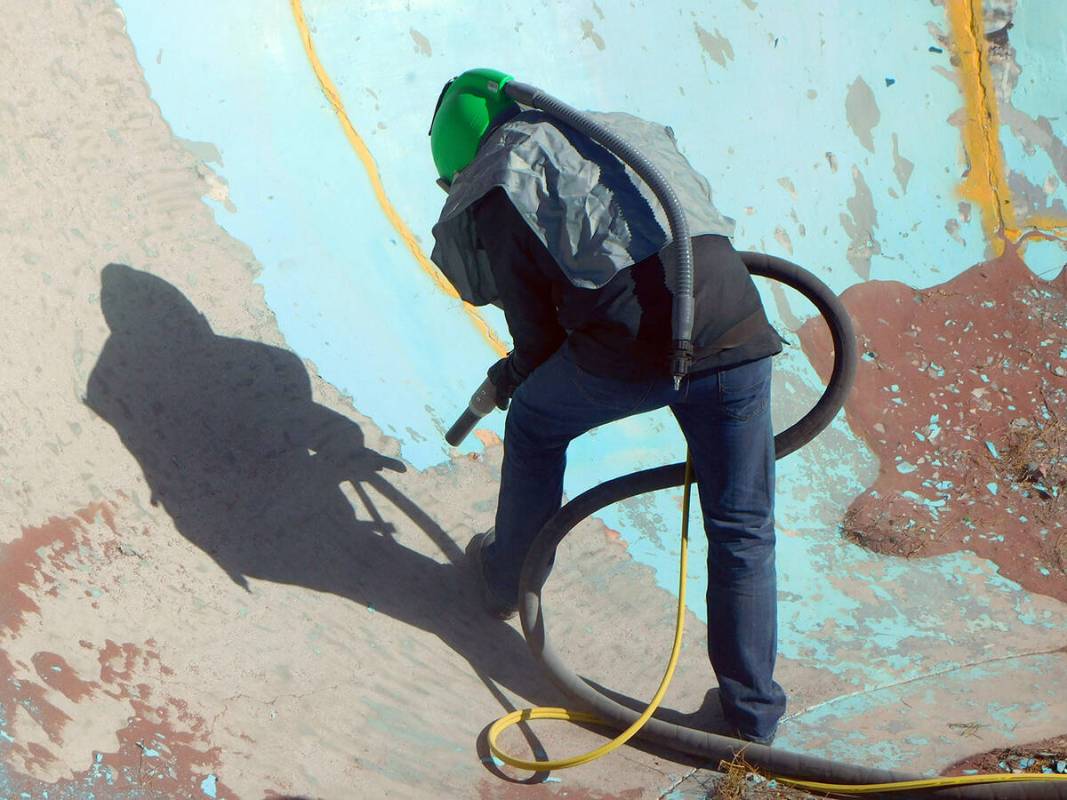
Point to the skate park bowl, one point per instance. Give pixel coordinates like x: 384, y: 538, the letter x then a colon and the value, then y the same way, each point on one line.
x: 231, y: 558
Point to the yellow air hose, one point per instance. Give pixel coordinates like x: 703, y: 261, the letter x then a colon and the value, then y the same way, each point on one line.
x: 526, y: 714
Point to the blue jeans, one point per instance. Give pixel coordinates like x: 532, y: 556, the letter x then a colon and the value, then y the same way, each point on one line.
x: 726, y: 419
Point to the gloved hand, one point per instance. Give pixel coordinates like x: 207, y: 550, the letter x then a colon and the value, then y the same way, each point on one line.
x: 506, y: 378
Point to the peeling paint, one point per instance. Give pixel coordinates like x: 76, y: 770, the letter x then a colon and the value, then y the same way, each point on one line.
x: 588, y: 32
x: 859, y: 224
x: 717, y: 46
x: 861, y: 110
x: 422, y: 44
x: 902, y: 167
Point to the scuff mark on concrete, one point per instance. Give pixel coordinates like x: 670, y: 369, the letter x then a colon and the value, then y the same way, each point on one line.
x: 716, y: 45
x: 859, y: 223
x: 861, y: 110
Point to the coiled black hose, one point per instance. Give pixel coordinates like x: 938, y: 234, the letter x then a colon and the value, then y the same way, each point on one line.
x: 701, y: 743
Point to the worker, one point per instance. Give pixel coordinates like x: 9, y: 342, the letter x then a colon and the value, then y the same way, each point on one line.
x: 553, y: 228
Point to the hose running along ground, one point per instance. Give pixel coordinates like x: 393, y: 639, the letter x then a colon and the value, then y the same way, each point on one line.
x: 805, y: 771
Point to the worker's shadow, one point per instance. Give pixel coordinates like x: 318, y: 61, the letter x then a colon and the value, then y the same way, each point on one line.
x: 249, y: 468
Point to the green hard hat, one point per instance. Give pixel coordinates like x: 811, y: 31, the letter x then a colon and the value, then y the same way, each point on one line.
x: 465, y: 109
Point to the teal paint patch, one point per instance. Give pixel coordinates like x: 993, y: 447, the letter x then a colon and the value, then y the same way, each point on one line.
x: 839, y: 725
x: 1045, y: 258
x: 209, y: 786
x: 1039, y: 36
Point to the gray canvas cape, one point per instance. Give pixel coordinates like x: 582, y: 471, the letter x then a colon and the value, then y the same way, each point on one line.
x: 592, y: 212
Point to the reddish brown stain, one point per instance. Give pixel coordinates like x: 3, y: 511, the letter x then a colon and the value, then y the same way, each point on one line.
x: 982, y: 353
x: 1043, y: 755
x: 117, y: 661
x: 164, y: 750
x: 31, y: 698
x: 57, y: 673
x: 164, y: 747
x: 38, y: 756
x: 23, y: 562
x: 102, y: 510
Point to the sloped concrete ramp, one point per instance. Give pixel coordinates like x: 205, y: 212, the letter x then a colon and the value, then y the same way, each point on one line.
x: 219, y: 578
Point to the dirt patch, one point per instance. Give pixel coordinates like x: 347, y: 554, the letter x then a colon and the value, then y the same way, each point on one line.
x: 1046, y: 756
x: 961, y: 391
x: 739, y: 780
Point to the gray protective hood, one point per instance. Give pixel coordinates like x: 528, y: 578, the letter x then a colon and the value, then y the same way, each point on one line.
x: 592, y: 212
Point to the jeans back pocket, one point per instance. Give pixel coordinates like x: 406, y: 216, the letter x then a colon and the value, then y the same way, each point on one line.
x: 745, y: 390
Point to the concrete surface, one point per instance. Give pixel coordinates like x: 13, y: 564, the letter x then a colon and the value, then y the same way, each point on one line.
x: 230, y: 533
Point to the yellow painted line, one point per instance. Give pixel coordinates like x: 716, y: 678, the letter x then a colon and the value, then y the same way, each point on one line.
x: 986, y: 184
x: 364, y: 155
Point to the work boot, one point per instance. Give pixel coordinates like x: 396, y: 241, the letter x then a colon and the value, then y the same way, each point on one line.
x: 748, y: 737
x: 500, y: 609
x: 710, y: 717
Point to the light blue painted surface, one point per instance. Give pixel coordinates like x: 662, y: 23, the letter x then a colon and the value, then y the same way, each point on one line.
x: 838, y: 726
x: 351, y: 299
x: 1039, y: 35
x: 305, y: 207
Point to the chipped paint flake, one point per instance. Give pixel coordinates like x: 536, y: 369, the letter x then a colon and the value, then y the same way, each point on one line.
x: 861, y: 111
x: 717, y: 46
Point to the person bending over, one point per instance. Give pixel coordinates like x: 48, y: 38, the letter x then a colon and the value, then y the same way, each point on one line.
x: 571, y: 244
